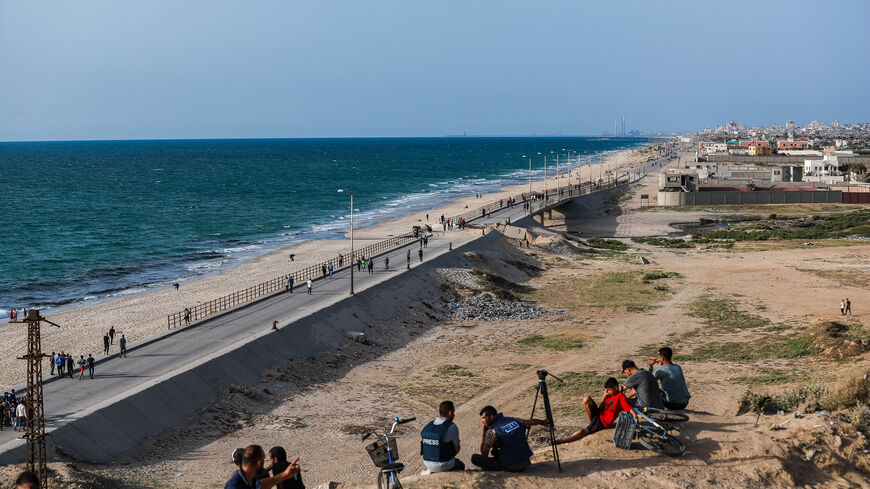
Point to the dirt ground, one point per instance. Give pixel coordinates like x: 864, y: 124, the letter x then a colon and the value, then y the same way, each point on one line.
x: 754, y: 318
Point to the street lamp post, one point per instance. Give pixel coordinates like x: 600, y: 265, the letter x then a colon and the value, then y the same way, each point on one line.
x: 529, y: 198
x: 351, y: 237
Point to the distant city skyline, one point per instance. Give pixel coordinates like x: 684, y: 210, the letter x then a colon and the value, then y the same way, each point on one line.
x: 116, y: 69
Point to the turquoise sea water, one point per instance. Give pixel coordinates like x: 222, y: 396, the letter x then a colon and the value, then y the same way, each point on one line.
x: 86, y: 221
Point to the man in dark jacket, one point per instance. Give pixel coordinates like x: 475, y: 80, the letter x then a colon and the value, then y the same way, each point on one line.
x: 506, y: 439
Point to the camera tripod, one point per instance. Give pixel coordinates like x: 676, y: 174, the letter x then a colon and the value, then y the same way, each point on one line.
x: 541, y: 389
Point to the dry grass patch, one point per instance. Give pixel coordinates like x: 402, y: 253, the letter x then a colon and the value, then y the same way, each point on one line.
x: 556, y: 343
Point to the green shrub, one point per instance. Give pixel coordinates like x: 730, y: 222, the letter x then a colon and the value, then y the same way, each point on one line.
x: 607, y: 244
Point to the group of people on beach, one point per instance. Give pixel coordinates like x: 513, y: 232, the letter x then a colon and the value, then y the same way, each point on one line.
x: 13, y: 314
x: 503, y: 440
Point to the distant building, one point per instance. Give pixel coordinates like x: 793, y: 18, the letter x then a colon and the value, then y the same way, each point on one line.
x: 788, y: 144
x: 759, y: 150
x: 825, y: 170
x: 746, y: 143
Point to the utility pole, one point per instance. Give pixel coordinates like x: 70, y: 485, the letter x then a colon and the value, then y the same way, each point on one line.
x: 35, y: 421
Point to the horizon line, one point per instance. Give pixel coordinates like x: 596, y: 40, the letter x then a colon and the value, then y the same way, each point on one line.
x: 448, y: 136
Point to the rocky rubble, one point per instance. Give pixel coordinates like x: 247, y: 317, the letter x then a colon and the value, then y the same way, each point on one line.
x: 490, y: 309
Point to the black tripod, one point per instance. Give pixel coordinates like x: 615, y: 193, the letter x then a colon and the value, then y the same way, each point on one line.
x: 541, y: 390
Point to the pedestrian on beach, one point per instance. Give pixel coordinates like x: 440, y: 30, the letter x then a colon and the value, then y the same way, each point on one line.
x: 106, y: 343
x: 427, y: 217
x: 420, y: 254
x: 112, y: 334
x: 309, y: 286
x: 842, y: 307
x: 81, y: 362
x: 123, y: 344
x: 386, y: 263
x: 176, y: 285
x: 70, y: 366
x: 848, y: 306
x: 330, y: 270
x: 290, y: 284
x: 408, y: 267
x: 51, y: 362
x: 91, y: 363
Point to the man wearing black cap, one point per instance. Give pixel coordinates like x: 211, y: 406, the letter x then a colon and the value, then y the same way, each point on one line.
x: 247, y: 476
x: 642, y: 386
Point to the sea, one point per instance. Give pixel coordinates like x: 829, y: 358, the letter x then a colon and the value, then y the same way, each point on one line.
x: 82, y: 222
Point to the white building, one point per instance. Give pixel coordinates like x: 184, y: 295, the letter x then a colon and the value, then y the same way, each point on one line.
x: 825, y: 170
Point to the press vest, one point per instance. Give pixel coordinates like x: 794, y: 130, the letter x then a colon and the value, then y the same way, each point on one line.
x: 512, y: 444
x: 433, y: 447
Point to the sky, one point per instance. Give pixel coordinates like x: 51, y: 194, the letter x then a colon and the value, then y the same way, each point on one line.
x: 155, y: 69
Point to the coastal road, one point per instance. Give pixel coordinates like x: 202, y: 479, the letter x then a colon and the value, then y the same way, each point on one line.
x: 69, y: 399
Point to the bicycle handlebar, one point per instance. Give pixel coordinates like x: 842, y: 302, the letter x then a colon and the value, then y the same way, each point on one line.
x: 403, y: 421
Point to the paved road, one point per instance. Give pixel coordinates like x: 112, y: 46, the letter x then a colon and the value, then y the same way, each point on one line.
x: 66, y: 399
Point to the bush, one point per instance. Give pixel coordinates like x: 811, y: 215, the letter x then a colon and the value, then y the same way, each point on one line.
x: 658, y: 274
x: 607, y: 244
x: 772, y: 216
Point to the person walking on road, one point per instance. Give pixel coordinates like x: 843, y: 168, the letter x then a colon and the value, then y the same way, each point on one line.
x: 408, y: 266
x: 51, y: 362
x: 386, y: 263
x: 420, y: 254
x: 290, y: 284
x: 323, y: 270
x: 70, y: 366
x: 329, y: 267
x: 112, y: 334
x: 371, y: 266
x: 309, y: 286
x: 59, y: 361
x: 106, y: 343
x: 21, y: 415
x: 91, y: 363
x: 358, y: 264
x: 123, y: 344
x: 82, y: 362
x: 186, y: 316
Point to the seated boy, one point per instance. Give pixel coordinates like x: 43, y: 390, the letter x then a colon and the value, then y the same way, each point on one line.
x: 604, y: 416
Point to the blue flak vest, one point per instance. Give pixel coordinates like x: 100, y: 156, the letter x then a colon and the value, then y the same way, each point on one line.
x: 512, y: 444
x: 432, y: 446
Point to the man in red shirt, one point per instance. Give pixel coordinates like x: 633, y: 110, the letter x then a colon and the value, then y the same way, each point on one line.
x: 601, y: 417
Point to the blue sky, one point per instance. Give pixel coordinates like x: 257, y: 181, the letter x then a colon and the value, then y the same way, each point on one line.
x: 212, y: 69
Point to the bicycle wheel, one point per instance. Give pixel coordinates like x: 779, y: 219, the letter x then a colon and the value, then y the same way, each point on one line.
x: 664, y: 444
x: 667, y: 416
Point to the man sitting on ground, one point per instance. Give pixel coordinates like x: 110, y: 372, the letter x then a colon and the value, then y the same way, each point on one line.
x: 641, y: 384
x: 252, y: 466
x: 601, y: 417
x: 278, y: 457
x: 506, y: 438
x: 440, y: 441
x: 675, y: 394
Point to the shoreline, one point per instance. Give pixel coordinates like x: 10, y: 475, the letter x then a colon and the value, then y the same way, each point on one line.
x: 143, y: 315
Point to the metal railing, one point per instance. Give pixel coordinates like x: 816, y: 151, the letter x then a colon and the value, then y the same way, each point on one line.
x: 538, y: 200
x: 202, y: 310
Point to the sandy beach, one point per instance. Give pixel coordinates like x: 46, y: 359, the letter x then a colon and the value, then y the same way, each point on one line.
x: 143, y: 316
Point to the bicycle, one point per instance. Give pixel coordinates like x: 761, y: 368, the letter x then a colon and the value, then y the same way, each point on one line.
x: 385, y: 454
x: 652, y: 433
